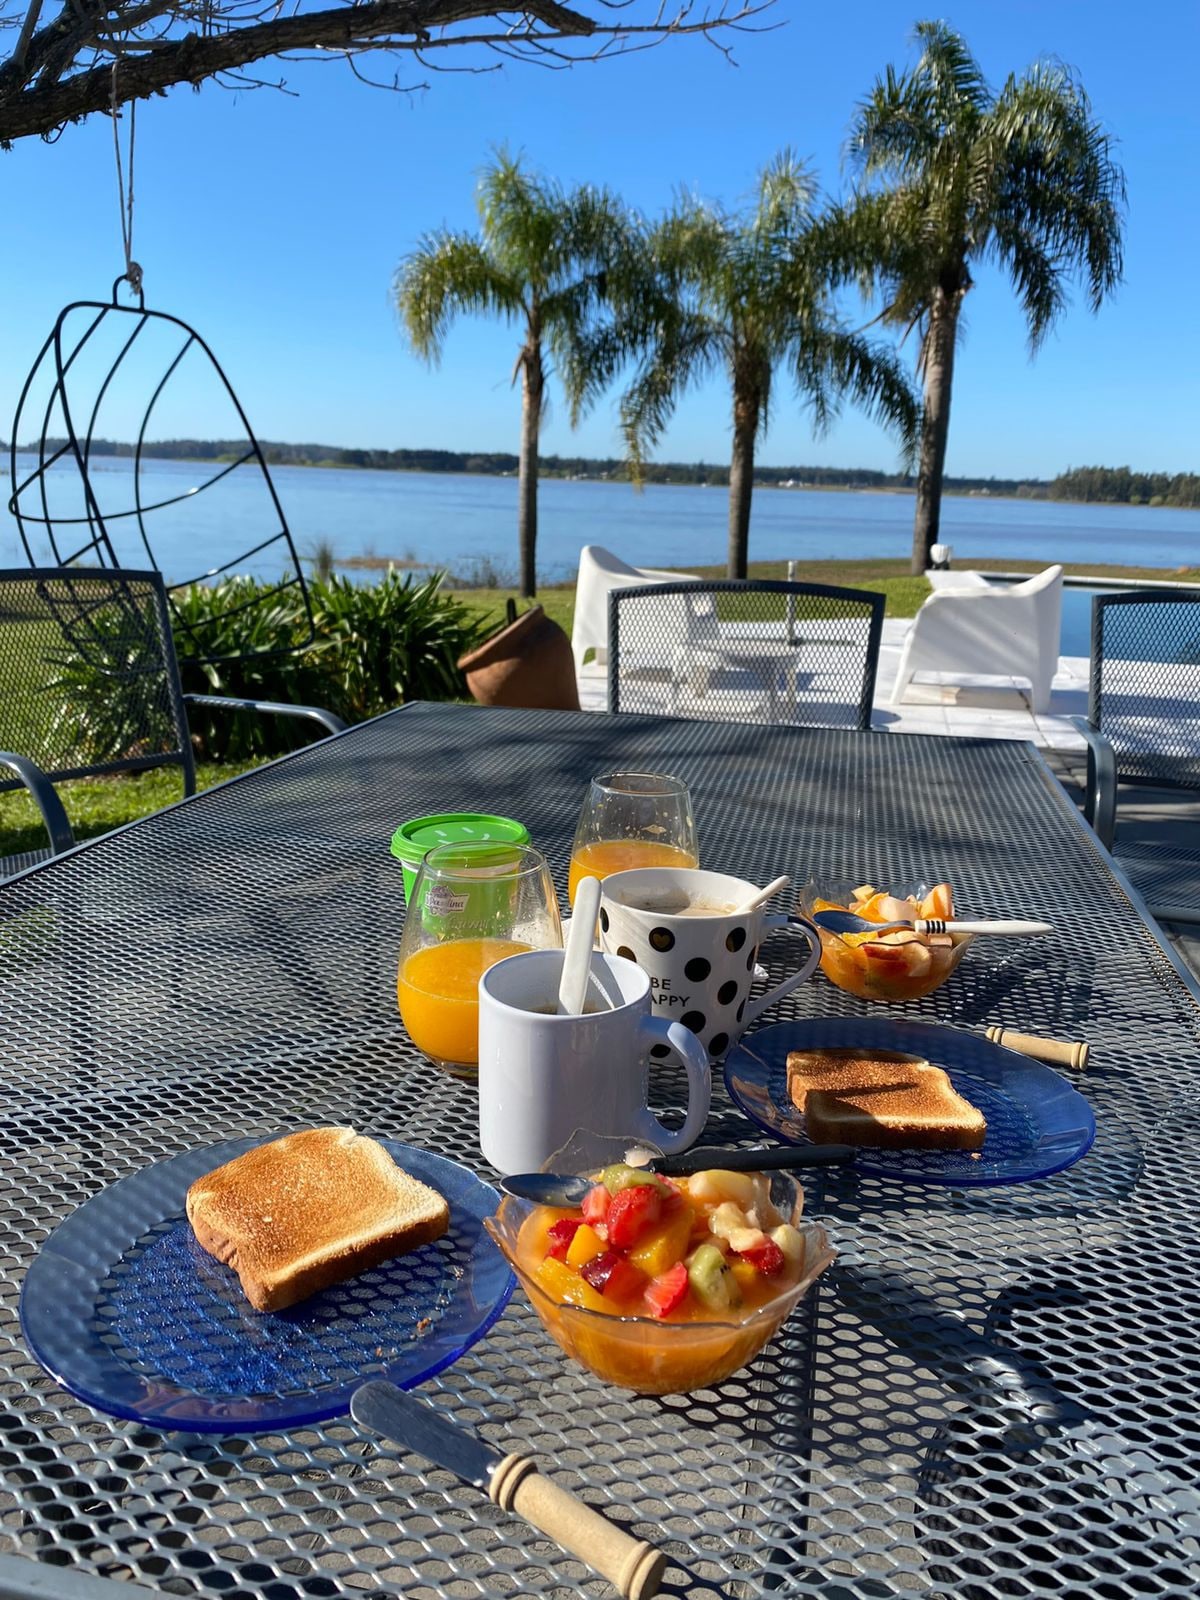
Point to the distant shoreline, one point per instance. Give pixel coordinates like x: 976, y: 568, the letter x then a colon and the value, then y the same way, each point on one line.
x: 952, y: 490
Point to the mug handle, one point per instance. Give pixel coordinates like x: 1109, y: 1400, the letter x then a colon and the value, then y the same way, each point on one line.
x: 793, y: 924
x: 657, y: 1030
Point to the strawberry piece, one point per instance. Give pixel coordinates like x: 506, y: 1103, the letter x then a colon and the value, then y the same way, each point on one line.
x: 595, y: 1204
x: 613, y: 1275
x: 631, y: 1213
x: 667, y: 1291
x: 766, y: 1258
x: 559, y: 1236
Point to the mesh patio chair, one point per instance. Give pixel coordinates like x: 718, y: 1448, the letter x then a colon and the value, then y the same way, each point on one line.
x: 89, y: 685
x: 1143, y: 727
x: 758, y: 651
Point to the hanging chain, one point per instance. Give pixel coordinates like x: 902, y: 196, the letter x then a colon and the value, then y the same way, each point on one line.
x: 133, y: 272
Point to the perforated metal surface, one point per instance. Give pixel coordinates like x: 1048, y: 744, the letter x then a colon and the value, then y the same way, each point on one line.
x: 1145, y: 683
x: 752, y: 652
x: 88, y: 682
x: 992, y: 1393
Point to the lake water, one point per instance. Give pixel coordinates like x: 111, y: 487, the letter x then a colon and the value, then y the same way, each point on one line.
x: 465, y: 523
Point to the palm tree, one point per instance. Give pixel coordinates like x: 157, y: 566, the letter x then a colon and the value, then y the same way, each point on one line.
x: 744, y: 294
x: 541, y: 261
x: 954, y: 174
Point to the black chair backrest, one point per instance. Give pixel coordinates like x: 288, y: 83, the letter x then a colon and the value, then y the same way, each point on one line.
x: 756, y: 651
x: 89, y: 682
x: 1144, y: 694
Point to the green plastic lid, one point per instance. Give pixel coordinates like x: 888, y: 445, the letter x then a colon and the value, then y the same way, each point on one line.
x: 413, y: 840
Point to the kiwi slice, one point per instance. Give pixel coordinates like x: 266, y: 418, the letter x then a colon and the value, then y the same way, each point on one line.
x: 712, y: 1280
x: 620, y: 1176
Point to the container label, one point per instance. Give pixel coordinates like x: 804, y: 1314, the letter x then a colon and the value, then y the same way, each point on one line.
x: 443, y: 901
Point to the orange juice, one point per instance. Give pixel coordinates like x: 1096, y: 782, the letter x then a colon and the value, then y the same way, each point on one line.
x: 622, y: 855
x: 438, y: 992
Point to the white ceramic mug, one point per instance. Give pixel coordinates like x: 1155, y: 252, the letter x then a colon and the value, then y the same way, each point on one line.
x: 700, y: 966
x: 543, y: 1078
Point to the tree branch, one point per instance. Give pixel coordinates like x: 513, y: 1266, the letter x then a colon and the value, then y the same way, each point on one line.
x: 65, y: 71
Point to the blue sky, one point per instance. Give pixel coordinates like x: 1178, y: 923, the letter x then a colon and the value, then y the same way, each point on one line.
x: 274, y: 223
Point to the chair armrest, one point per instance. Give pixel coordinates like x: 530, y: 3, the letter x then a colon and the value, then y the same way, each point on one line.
x: 329, y: 720
x: 1100, y: 799
x: 45, y: 797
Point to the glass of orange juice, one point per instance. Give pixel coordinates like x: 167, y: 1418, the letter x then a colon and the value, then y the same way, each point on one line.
x: 472, y: 905
x: 633, y: 819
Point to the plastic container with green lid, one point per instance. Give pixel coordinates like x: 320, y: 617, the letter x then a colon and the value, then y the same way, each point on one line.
x: 413, y: 840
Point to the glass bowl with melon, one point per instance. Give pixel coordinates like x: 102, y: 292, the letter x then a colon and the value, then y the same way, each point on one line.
x: 892, y: 967
x: 664, y: 1286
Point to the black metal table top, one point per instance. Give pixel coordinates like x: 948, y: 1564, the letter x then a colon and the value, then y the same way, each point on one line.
x: 993, y: 1393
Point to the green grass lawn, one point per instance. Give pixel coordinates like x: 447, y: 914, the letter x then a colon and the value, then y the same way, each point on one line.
x: 95, y: 805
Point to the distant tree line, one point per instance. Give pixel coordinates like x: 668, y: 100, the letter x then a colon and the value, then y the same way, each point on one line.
x: 1126, y: 487
x: 500, y: 464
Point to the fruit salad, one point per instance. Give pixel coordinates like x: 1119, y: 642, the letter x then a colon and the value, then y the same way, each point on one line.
x: 900, y: 965
x: 679, y: 1250
x: 665, y: 1285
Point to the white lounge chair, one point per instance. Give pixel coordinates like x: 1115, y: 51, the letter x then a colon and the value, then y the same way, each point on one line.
x: 972, y: 628
x: 600, y: 571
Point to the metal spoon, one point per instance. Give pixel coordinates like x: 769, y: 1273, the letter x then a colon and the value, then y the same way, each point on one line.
x: 568, y: 1189
x: 849, y: 922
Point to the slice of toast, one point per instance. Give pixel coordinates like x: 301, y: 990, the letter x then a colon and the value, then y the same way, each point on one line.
x: 917, y: 1108
x: 842, y: 1067
x: 311, y: 1209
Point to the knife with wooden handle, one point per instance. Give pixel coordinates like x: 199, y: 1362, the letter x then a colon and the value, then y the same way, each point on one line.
x: 514, y: 1482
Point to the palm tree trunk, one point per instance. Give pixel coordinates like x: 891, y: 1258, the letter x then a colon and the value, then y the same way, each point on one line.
x: 741, y: 483
x: 532, y: 392
x: 937, y: 358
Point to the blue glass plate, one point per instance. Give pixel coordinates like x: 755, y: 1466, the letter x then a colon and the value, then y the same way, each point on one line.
x: 125, y: 1310
x: 1036, y: 1122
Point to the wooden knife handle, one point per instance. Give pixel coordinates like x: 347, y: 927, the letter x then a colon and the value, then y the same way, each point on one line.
x: 633, y: 1566
x: 1057, y: 1052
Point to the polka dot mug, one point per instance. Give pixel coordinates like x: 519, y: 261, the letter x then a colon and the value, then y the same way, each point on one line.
x: 681, y: 926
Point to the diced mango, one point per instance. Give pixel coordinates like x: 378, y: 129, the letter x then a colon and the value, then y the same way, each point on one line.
x: 745, y: 1272
x: 585, y: 1246
x: 665, y: 1244
x: 567, y: 1287
x: 939, y: 902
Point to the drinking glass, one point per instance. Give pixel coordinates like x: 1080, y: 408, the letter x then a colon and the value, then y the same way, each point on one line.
x: 633, y: 819
x: 472, y: 905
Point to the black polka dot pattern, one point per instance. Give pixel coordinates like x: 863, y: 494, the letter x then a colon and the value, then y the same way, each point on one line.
x: 718, y: 1044
x: 603, y: 919
x: 624, y: 950
x: 751, y: 959
x: 741, y: 1011
x: 694, y: 1021
x: 727, y: 993
x: 697, y: 969
x: 661, y: 939
x: 658, y: 1051
x: 734, y: 940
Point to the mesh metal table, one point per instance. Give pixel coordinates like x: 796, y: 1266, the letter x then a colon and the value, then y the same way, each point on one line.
x: 993, y: 1393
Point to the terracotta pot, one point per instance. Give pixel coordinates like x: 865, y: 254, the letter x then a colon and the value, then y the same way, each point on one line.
x: 529, y: 663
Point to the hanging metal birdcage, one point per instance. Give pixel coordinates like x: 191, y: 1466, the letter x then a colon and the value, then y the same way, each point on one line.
x: 86, y: 501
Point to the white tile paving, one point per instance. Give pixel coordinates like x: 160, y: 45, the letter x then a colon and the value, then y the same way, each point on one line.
x: 962, y: 707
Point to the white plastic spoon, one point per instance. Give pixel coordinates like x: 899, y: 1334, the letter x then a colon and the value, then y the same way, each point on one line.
x: 761, y: 896
x: 577, y: 957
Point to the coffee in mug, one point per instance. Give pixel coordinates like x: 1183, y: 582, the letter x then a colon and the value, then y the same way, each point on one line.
x: 544, y: 1078
x: 680, y: 926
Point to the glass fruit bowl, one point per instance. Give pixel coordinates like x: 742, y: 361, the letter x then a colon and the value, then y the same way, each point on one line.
x: 888, y: 969
x: 642, y: 1352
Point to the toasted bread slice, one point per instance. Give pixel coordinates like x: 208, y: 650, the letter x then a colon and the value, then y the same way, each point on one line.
x: 311, y: 1209
x: 917, y: 1109
x: 842, y: 1067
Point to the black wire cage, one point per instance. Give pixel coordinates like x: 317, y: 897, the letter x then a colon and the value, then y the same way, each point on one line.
x: 89, y: 502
